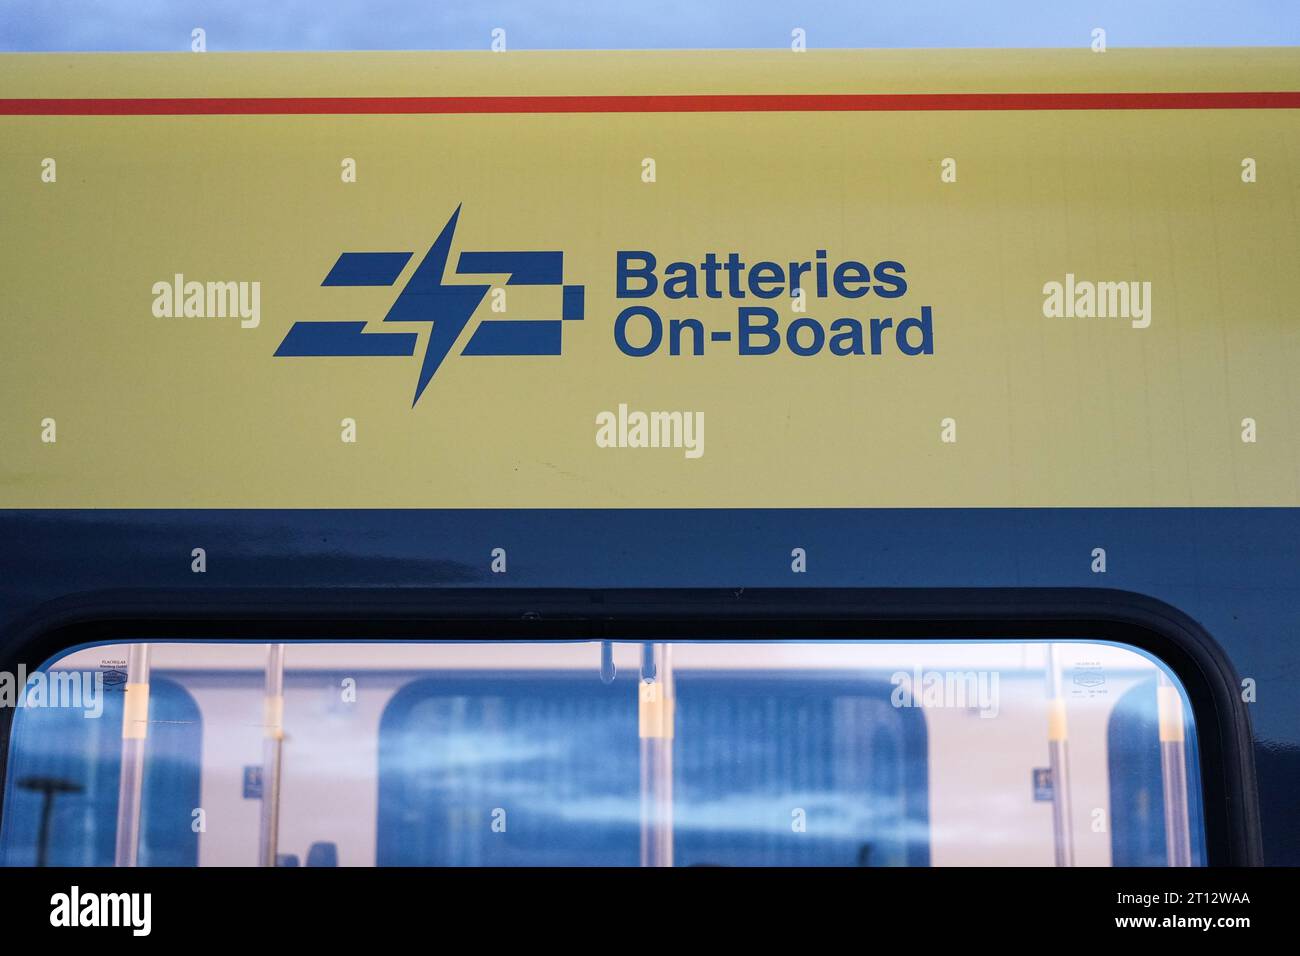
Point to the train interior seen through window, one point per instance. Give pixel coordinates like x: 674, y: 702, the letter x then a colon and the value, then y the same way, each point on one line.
x: 681, y: 753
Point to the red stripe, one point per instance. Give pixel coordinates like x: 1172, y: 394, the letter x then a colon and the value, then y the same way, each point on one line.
x: 693, y: 103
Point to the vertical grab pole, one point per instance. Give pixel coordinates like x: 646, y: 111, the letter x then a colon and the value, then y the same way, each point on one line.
x: 657, y: 700
x: 135, y: 734
x: 1059, y: 757
x: 272, y: 755
x: 1173, y: 772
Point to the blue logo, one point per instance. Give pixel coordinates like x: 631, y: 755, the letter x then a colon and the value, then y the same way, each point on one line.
x: 445, y: 308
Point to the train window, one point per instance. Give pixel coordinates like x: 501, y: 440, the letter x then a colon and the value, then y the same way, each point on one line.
x: 687, y: 753
x: 60, y: 807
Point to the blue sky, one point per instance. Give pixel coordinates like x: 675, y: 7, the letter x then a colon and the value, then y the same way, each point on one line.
x: 65, y: 25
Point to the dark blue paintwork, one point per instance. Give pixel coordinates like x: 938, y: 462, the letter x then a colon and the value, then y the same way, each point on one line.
x: 1234, y: 571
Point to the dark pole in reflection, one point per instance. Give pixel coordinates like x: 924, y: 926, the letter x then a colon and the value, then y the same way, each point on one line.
x: 47, y: 787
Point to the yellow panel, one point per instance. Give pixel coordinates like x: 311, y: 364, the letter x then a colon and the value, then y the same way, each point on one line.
x: 1048, y: 411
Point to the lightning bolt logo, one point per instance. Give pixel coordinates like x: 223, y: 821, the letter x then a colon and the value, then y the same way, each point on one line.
x: 446, y: 308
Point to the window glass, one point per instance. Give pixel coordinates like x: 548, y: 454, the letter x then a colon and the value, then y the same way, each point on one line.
x: 575, y: 753
x: 66, y: 763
